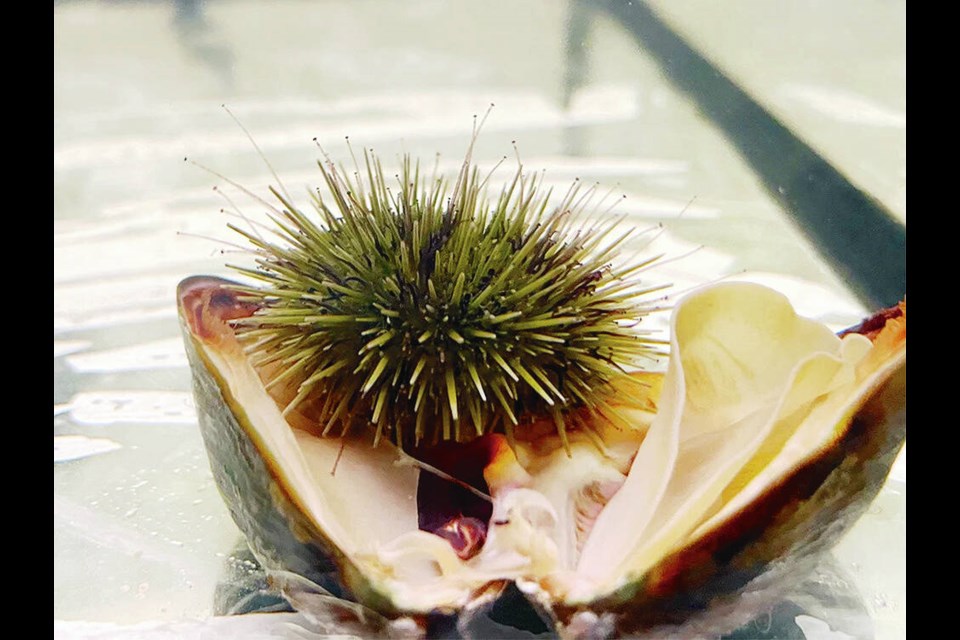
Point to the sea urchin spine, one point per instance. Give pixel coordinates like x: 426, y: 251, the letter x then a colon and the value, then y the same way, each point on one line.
x: 442, y: 316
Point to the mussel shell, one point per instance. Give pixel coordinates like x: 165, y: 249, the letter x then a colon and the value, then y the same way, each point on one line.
x: 722, y: 580
x: 282, y: 538
x: 711, y: 586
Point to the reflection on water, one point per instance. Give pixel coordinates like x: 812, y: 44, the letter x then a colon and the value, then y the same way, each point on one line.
x: 138, y: 87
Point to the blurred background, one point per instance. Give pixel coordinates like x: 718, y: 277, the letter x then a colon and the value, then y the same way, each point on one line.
x: 764, y: 141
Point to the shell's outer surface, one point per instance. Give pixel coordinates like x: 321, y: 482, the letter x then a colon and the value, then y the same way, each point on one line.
x: 711, y: 585
x: 262, y: 511
x: 273, y: 523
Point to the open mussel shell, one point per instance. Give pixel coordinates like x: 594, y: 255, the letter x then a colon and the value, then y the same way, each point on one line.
x: 763, y: 443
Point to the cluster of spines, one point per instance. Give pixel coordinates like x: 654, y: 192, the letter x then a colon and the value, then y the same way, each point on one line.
x: 436, y: 316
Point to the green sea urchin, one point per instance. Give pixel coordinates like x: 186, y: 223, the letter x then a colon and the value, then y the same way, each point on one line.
x: 435, y: 313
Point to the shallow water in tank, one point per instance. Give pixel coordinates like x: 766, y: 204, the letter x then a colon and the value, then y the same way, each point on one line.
x: 140, y: 532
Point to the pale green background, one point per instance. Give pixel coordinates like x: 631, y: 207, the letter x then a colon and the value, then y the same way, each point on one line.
x: 140, y: 533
